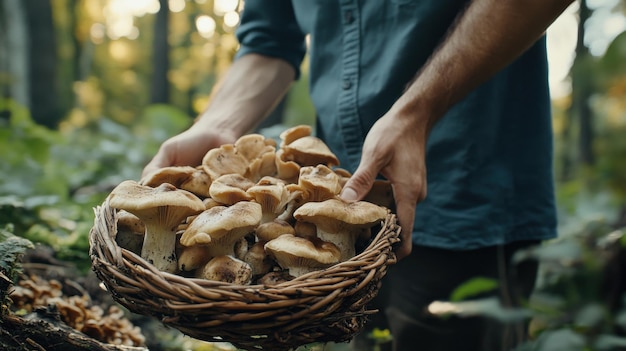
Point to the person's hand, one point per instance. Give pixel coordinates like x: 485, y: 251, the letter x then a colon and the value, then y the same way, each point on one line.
x: 395, y: 148
x: 188, y: 148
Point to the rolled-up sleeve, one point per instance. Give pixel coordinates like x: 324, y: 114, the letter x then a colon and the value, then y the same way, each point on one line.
x: 270, y: 28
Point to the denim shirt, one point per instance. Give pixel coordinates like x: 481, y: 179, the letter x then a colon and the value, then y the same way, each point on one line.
x: 489, y: 159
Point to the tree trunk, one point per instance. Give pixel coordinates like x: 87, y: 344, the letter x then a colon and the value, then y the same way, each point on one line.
x: 578, y: 130
x: 159, y: 89
x: 42, y: 63
x: 15, y: 51
x: 584, y: 89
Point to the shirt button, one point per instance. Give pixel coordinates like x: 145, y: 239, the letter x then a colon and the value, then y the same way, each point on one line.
x: 348, y: 17
x: 347, y: 84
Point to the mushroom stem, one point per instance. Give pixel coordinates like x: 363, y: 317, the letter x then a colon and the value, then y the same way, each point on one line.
x: 159, y: 247
x: 343, y: 239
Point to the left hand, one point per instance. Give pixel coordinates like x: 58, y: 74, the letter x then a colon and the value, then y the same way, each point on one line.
x: 395, y: 147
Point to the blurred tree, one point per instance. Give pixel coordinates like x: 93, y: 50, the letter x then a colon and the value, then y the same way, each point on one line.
x: 14, y: 54
x: 577, y: 129
x: 42, y: 63
x: 159, y: 87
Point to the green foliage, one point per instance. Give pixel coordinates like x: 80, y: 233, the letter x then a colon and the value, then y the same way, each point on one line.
x: 53, y: 179
x: 11, y: 249
x: 473, y: 288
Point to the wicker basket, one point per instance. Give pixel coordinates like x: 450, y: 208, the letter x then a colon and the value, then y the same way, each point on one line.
x: 322, y: 306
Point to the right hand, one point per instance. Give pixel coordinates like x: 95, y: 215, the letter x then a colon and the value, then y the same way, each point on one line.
x: 188, y: 148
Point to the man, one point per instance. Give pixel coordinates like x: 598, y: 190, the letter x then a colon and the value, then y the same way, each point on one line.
x: 456, y: 90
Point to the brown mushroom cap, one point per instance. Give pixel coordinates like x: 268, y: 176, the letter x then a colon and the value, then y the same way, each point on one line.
x: 227, y: 269
x: 300, y: 255
x: 271, y: 230
x: 320, y: 182
x: 258, y: 259
x: 271, y: 194
x: 224, y: 226
x: 230, y: 188
x: 294, y: 133
x: 193, y: 179
x: 309, y: 151
x: 341, y: 222
x: 224, y: 160
x: 174, y: 175
x: 161, y: 209
x: 251, y: 146
x: 286, y: 169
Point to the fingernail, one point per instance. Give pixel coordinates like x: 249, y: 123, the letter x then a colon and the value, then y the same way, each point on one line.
x: 348, y: 194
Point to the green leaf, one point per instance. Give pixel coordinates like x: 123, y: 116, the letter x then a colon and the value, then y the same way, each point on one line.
x: 474, y: 287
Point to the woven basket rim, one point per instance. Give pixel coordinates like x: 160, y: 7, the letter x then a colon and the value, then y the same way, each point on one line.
x: 324, y: 305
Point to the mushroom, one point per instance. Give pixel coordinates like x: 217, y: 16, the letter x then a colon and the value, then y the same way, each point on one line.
x: 341, y: 222
x: 271, y: 194
x: 275, y: 278
x: 130, y: 231
x: 289, y: 135
x: 230, y: 188
x: 309, y: 151
x: 161, y: 209
x: 300, y: 255
x: 271, y: 230
x: 252, y: 146
x: 227, y: 269
x: 320, y: 182
x: 285, y: 169
x: 305, y: 230
x: 258, y: 259
x: 192, y: 257
x: 224, y: 160
x: 220, y: 227
x: 264, y: 165
x: 260, y: 153
x: 296, y: 196
x: 193, y: 179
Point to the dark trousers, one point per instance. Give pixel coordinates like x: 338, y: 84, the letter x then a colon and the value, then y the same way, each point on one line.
x: 431, y: 274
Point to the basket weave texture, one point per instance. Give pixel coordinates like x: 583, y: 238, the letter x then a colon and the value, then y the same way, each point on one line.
x: 321, y: 306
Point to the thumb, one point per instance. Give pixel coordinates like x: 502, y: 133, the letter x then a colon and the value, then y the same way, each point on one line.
x: 359, y: 184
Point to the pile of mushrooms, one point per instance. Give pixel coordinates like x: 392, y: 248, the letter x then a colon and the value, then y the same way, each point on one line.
x: 253, y: 212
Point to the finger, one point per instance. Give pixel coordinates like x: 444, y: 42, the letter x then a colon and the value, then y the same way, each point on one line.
x: 407, y: 197
x: 359, y: 183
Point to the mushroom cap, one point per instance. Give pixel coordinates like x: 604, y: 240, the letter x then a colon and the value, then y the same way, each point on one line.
x: 227, y: 269
x: 230, y: 188
x: 264, y: 165
x: 198, y: 183
x: 294, y: 133
x: 271, y: 230
x: 357, y: 214
x: 320, y: 182
x: 143, y: 201
x: 220, y: 221
x: 174, y: 175
x: 224, y: 160
x: 286, y: 169
x: 252, y: 146
x: 291, y: 251
x: 258, y: 259
x: 271, y: 193
x: 309, y: 151
x: 127, y: 221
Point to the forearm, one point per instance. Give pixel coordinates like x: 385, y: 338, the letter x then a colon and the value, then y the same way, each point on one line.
x: 249, y: 91
x: 489, y: 35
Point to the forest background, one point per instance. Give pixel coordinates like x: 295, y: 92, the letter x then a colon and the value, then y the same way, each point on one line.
x: 90, y: 88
